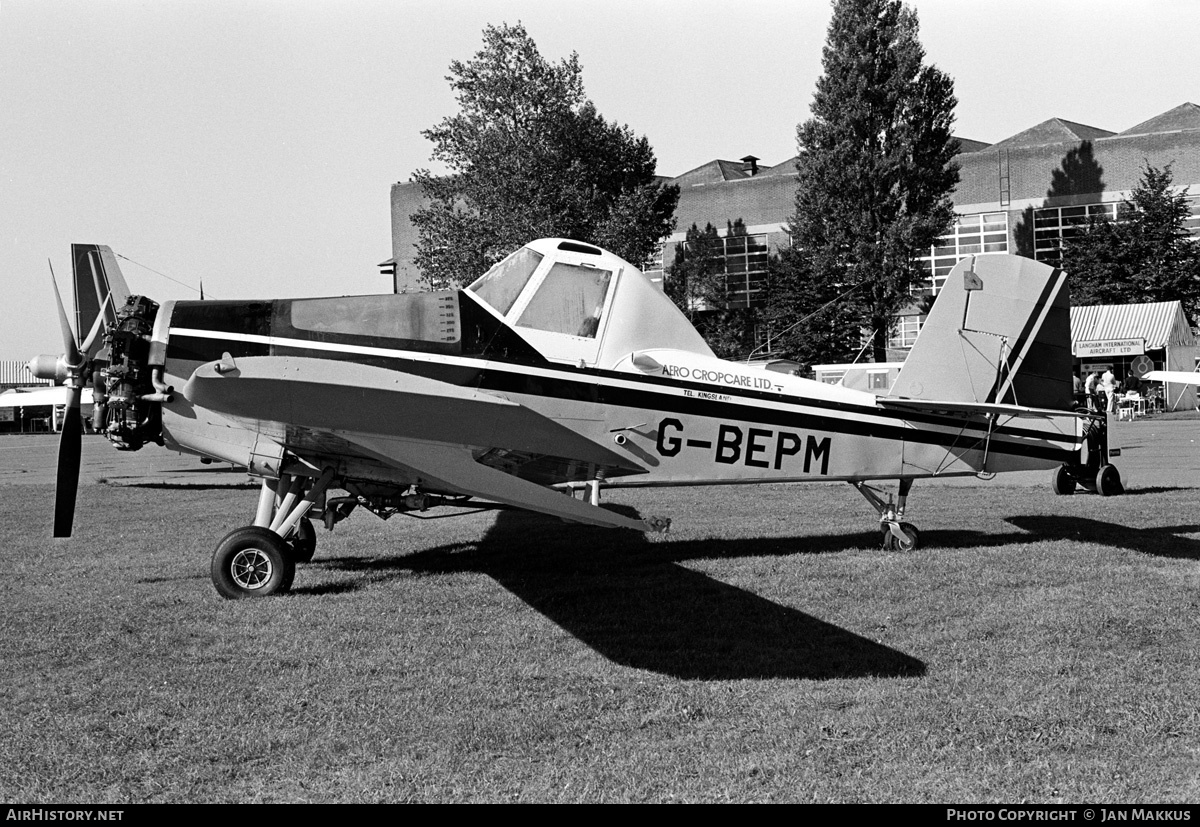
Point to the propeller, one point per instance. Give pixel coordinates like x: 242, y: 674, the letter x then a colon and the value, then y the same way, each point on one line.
x: 71, y: 368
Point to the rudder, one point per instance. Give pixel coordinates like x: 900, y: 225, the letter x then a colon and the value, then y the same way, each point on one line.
x: 97, y: 277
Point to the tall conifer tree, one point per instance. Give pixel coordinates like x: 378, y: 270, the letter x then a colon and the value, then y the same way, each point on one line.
x: 875, y: 174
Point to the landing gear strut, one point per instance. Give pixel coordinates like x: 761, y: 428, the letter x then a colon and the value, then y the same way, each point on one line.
x: 896, y: 535
x: 260, y: 559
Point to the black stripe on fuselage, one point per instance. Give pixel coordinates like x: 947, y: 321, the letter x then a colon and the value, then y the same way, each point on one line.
x: 587, y: 385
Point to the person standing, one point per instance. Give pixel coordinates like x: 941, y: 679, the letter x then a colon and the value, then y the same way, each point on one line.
x: 1108, y: 384
x: 1090, y: 390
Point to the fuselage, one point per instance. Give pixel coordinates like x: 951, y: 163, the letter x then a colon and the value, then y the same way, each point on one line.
x: 670, y: 417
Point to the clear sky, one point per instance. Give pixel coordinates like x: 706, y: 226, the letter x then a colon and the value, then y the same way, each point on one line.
x: 252, y: 144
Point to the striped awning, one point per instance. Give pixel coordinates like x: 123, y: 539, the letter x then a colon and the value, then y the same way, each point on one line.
x: 14, y: 372
x: 1161, y: 324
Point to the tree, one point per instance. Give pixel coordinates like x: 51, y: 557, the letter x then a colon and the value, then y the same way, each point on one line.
x: 529, y: 157
x: 695, y: 279
x: 874, y: 174
x: 1146, y: 255
x: 812, y: 318
x: 699, y: 285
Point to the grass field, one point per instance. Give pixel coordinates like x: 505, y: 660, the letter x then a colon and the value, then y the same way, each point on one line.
x: 1036, y: 649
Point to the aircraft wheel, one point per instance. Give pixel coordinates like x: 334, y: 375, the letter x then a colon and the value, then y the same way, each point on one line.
x: 893, y: 543
x: 1108, y: 481
x: 303, y: 544
x: 252, y: 562
x: 1062, y: 481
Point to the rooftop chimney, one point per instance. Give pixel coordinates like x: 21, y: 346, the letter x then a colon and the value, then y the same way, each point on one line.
x: 750, y: 165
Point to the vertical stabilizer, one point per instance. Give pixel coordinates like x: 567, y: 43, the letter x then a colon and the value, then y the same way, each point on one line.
x: 999, y: 332
x: 97, y: 278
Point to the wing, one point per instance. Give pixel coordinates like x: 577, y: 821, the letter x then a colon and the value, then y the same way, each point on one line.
x: 454, y: 468
x: 452, y: 438
x: 1179, y: 377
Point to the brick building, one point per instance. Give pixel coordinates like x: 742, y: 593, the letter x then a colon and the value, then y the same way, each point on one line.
x: 1020, y: 195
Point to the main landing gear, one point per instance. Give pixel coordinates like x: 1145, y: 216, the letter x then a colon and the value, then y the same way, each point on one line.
x: 1093, y: 473
x: 260, y: 559
x: 896, y: 535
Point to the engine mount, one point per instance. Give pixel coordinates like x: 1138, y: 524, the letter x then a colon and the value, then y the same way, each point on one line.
x: 127, y: 401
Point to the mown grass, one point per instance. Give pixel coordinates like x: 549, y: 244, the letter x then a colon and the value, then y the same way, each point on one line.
x: 1035, y: 649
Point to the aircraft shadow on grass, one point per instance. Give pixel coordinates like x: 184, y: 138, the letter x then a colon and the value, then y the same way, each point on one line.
x: 632, y: 602
x: 1159, y: 541
x: 1153, y: 489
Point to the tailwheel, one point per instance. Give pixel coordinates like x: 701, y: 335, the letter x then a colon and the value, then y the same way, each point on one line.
x: 900, y: 536
x: 303, y: 542
x: 252, y: 562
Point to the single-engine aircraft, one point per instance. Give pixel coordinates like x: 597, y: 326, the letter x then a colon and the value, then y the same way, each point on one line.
x: 562, y: 371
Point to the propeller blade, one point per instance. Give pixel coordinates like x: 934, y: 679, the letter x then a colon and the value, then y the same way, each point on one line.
x: 70, y: 348
x: 70, y: 448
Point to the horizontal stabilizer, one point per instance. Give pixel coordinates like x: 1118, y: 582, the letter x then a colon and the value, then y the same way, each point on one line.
x: 942, y: 407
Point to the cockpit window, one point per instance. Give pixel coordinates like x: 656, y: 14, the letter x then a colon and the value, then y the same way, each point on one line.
x: 569, y: 300
x: 501, y: 285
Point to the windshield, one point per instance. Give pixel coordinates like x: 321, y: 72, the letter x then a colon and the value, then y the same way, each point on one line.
x: 501, y: 285
x: 569, y: 300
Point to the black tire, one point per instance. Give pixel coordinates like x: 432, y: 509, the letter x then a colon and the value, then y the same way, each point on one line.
x: 1108, y: 481
x: 303, y: 543
x: 911, y: 541
x: 1062, y: 482
x: 252, y: 562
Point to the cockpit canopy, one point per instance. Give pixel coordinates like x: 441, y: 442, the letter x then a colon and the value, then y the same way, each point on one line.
x: 577, y: 303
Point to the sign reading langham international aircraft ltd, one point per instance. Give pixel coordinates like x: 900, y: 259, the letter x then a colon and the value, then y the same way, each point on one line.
x: 1110, y: 347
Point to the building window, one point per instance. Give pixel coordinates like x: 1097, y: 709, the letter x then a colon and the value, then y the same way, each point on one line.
x: 1053, y: 225
x: 905, y: 334
x: 745, y: 269
x: 1193, y: 221
x: 653, y: 266
x: 971, y: 235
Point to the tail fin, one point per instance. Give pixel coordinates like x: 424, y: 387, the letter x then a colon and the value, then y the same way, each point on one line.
x: 100, y: 289
x: 999, y: 333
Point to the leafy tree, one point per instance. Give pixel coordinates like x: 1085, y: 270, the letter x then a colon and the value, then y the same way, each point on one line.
x: 875, y: 174
x: 1146, y: 255
x: 529, y: 157
x: 698, y: 284
x: 695, y: 279
x: 813, y: 317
